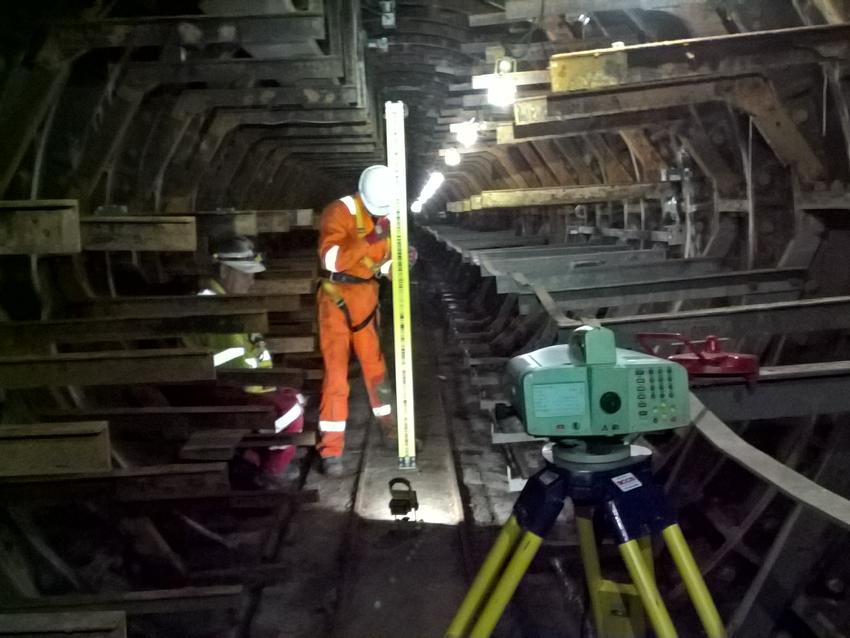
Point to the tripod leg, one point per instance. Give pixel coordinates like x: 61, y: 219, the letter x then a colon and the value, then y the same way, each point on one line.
x: 644, y: 582
x: 483, y: 582
x: 697, y: 590
x: 505, y: 588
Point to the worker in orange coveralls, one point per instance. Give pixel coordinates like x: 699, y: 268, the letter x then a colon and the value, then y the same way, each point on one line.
x: 354, y: 251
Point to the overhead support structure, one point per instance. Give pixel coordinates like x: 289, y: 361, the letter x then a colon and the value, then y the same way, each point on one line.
x: 631, y: 106
x: 563, y: 195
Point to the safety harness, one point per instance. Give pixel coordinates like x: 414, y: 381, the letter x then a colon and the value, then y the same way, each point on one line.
x: 328, y: 282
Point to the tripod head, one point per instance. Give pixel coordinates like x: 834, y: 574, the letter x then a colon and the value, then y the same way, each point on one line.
x: 590, y: 395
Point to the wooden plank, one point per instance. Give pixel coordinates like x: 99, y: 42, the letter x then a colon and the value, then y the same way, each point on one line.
x: 155, y: 233
x: 187, y: 305
x: 87, y: 624
x: 284, y: 345
x: 300, y: 286
x: 239, y: 417
x: 106, y: 368
x: 148, y: 483
x: 165, y: 601
x: 273, y: 221
x: 18, y: 335
x: 48, y: 448
x: 572, y: 195
x: 218, y: 225
x: 221, y: 445
x: 716, y: 56
x: 279, y: 377
x: 39, y: 227
x: 292, y: 329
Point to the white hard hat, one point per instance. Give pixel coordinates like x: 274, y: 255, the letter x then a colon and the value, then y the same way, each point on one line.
x: 377, y: 190
x: 238, y: 253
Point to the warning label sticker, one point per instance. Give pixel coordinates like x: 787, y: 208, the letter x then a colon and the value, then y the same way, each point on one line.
x: 626, y: 482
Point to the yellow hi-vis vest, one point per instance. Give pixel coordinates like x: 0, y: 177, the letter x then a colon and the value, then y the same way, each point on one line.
x: 246, y: 351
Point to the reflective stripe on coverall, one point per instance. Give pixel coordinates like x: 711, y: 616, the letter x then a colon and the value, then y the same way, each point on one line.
x: 342, y: 249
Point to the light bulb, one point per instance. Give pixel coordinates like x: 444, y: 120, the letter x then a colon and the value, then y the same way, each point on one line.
x: 416, y: 207
x: 452, y: 157
x: 467, y: 133
x: 502, y: 91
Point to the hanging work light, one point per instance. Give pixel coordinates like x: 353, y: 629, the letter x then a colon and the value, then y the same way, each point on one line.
x: 451, y: 157
x: 502, y: 89
x: 467, y: 133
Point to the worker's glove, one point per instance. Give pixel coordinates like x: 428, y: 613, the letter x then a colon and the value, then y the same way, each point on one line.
x: 379, y: 232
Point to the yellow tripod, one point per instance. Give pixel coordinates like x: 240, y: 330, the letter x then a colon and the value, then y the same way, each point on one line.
x: 619, y: 491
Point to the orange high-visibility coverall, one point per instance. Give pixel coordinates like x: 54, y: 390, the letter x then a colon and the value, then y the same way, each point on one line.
x: 342, y: 249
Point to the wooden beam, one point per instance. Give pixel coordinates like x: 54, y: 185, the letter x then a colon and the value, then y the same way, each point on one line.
x: 517, y: 10
x: 146, y: 483
x: 716, y: 57
x: 77, y: 37
x: 106, y: 368
x: 280, y: 377
x: 563, y: 195
x: 284, y: 345
x: 156, y: 233
x: 39, y: 227
x: 294, y: 286
x: 48, y: 448
x: 238, y: 417
x: 21, y: 336
x: 222, y: 444
x: 165, y: 601
x: 85, y: 624
x: 188, y: 305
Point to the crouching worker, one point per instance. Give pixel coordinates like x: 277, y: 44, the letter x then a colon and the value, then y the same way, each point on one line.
x: 238, y: 263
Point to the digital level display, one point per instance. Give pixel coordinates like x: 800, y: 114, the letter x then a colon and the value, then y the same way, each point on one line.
x: 557, y: 399
x: 589, y: 387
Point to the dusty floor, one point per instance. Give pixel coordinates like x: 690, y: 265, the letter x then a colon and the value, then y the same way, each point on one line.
x: 357, y: 572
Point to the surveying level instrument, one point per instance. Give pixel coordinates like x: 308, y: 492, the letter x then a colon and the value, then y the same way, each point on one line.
x: 592, y: 400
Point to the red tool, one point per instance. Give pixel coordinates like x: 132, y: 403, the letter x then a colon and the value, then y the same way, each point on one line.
x: 711, y: 361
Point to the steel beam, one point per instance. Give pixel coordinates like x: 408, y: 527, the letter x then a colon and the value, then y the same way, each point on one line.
x: 802, y: 390
x: 600, y: 275
x: 498, y: 255
x: 784, y: 317
x: 801, y: 489
x: 711, y: 286
x: 543, y: 266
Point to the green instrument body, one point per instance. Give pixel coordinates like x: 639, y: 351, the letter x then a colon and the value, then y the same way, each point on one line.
x: 590, y: 388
